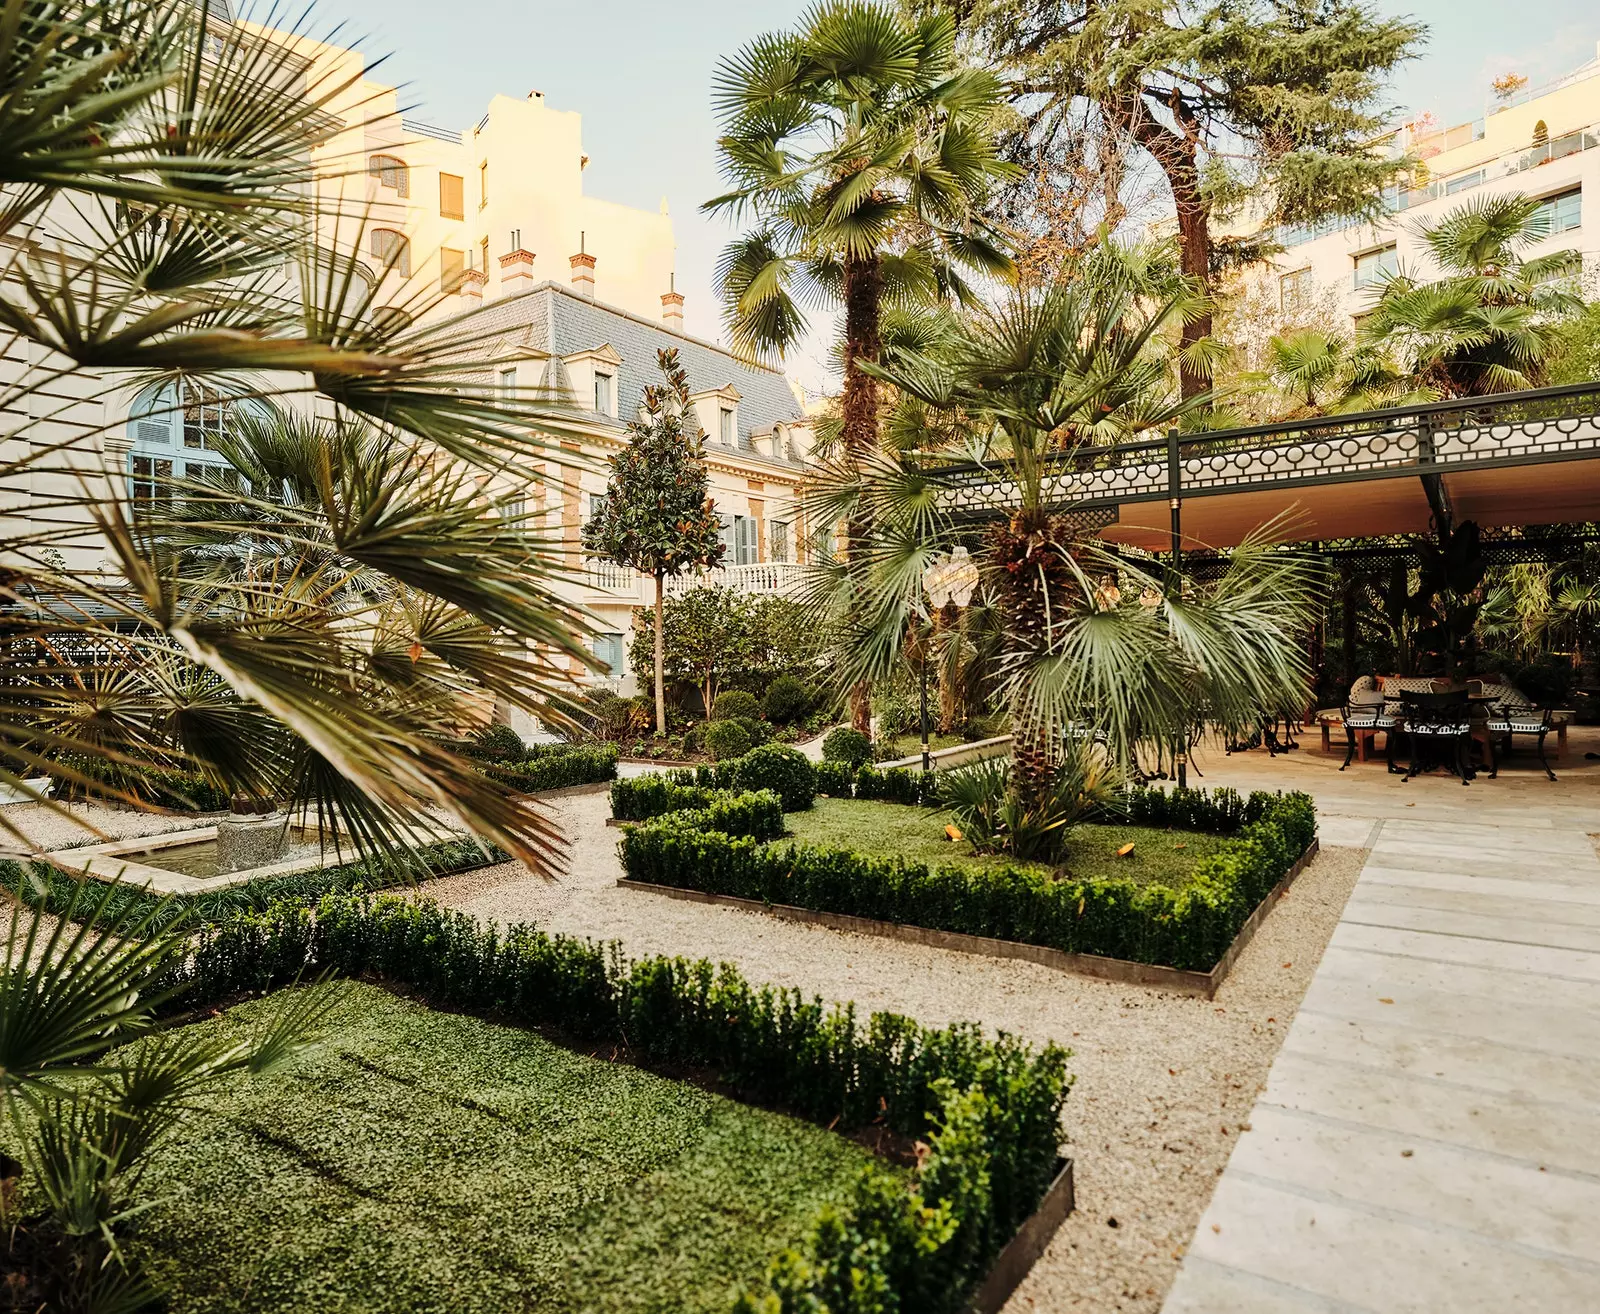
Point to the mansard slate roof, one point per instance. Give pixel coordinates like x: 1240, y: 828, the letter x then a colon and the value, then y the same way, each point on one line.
x: 551, y: 318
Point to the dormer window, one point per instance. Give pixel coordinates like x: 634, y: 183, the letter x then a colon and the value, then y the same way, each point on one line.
x: 605, y: 397
x: 725, y: 426
x: 391, y: 173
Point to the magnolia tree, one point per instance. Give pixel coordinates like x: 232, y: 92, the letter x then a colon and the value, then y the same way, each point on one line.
x: 657, y: 517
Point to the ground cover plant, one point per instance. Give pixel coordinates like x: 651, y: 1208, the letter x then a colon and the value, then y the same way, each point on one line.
x: 425, y: 1161
x: 1187, y: 926
x: 976, y: 1121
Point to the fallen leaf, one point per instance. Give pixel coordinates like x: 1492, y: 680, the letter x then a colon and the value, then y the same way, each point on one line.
x: 1216, y: 1227
x: 952, y: 833
x: 1125, y: 850
x: 1180, y: 846
x: 1288, y: 964
x: 1384, y: 999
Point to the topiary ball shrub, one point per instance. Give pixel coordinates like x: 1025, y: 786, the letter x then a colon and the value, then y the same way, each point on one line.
x: 735, y: 705
x: 499, y: 743
x: 726, y: 739
x: 785, y: 771
x: 847, y: 745
x: 788, y: 699
x: 758, y: 730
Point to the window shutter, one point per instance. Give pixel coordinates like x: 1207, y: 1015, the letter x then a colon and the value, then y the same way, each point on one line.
x: 452, y: 199
x: 451, y: 265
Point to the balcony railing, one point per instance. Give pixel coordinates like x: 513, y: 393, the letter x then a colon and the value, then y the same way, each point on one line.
x: 753, y: 577
x: 611, y: 577
x: 1397, y: 199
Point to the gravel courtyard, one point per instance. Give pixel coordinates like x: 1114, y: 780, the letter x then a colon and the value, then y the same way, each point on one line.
x: 1163, y: 1082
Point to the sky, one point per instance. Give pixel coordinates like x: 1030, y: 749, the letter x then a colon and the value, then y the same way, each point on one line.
x: 640, y: 74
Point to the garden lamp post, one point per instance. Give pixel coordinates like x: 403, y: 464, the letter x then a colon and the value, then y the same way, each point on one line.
x: 950, y: 578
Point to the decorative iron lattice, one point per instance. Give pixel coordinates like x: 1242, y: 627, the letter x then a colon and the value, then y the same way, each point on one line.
x: 1520, y: 428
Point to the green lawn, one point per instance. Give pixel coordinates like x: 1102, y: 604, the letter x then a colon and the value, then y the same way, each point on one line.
x: 422, y: 1161
x: 1159, y: 857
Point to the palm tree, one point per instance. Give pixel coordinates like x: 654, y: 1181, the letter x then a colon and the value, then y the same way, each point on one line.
x: 1310, y: 372
x: 863, y: 151
x: 1029, y: 389
x: 1488, y: 323
x: 317, y: 628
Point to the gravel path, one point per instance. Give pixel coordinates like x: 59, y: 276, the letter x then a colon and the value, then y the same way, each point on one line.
x: 1163, y: 1082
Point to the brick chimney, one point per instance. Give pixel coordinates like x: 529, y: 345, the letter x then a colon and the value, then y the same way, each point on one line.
x: 672, y: 306
x: 583, y: 275
x: 516, y: 271
x: 470, y: 288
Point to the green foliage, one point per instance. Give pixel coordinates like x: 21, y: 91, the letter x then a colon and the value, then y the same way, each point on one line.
x: 786, y: 771
x: 638, y: 798
x: 894, y: 785
x: 618, y: 719
x: 836, y: 779
x: 39, y: 885
x: 726, y: 740
x: 1489, y: 322
x: 758, y: 815
x: 426, y: 1161
x: 657, y: 516
x: 788, y: 699
x: 1187, y: 928
x: 999, y: 818
x: 499, y: 743
x: 735, y: 705
x: 180, y: 790
x: 560, y: 767
x: 846, y: 745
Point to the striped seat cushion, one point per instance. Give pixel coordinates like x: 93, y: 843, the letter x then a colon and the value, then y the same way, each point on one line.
x: 1446, y: 728
x: 1369, y: 719
x: 1517, y: 725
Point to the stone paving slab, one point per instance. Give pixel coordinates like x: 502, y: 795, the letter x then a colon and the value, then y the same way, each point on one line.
x: 1429, y: 1137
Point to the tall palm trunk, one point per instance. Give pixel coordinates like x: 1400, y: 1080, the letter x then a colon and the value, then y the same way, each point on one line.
x: 863, y: 306
x: 661, y: 658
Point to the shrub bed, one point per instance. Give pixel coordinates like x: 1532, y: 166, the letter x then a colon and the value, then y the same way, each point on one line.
x: 1188, y: 928
x: 41, y: 885
x: 987, y: 1111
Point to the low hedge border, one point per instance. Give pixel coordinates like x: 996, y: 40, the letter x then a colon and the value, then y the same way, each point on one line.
x: 41, y: 885
x: 557, y: 766
x: 987, y: 1112
x: 1190, y: 929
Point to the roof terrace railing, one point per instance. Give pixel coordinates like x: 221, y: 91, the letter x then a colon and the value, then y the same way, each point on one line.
x: 1534, y: 427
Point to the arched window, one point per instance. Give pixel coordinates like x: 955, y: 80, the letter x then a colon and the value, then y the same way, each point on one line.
x: 1541, y: 134
x: 391, y: 250
x: 176, y: 430
x: 391, y: 173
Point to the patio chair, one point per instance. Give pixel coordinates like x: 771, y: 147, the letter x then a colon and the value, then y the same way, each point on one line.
x: 1510, y: 718
x: 1366, y: 716
x: 1439, y: 727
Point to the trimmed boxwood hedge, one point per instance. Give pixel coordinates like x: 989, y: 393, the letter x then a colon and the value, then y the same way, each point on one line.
x: 557, y: 766
x: 891, y: 785
x: 987, y: 1111
x: 1188, y: 928
x: 41, y: 885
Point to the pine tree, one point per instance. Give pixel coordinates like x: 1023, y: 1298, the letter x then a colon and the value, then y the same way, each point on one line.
x: 1270, y: 102
x: 657, y: 517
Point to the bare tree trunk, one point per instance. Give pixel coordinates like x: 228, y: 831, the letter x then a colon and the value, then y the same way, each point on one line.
x: 661, y: 659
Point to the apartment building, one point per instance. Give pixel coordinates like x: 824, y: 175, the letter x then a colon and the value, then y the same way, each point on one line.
x: 1540, y: 141
x: 576, y: 295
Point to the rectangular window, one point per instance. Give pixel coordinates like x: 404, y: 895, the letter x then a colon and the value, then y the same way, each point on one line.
x: 451, y: 198
x: 725, y: 426
x: 744, y: 541
x: 822, y: 544
x: 483, y: 252
x: 602, y: 394
x: 202, y: 419
x: 725, y: 537
x: 151, y: 479
x: 1294, y: 289
x: 1373, y: 267
x: 508, y: 384
x: 608, y: 648
x: 1463, y: 182
x: 483, y: 184
x: 597, y: 505
x: 778, y: 540
x: 452, y: 264
x: 1560, y: 214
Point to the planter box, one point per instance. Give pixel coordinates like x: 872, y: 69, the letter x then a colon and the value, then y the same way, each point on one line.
x: 1032, y: 1239
x: 1177, y: 980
